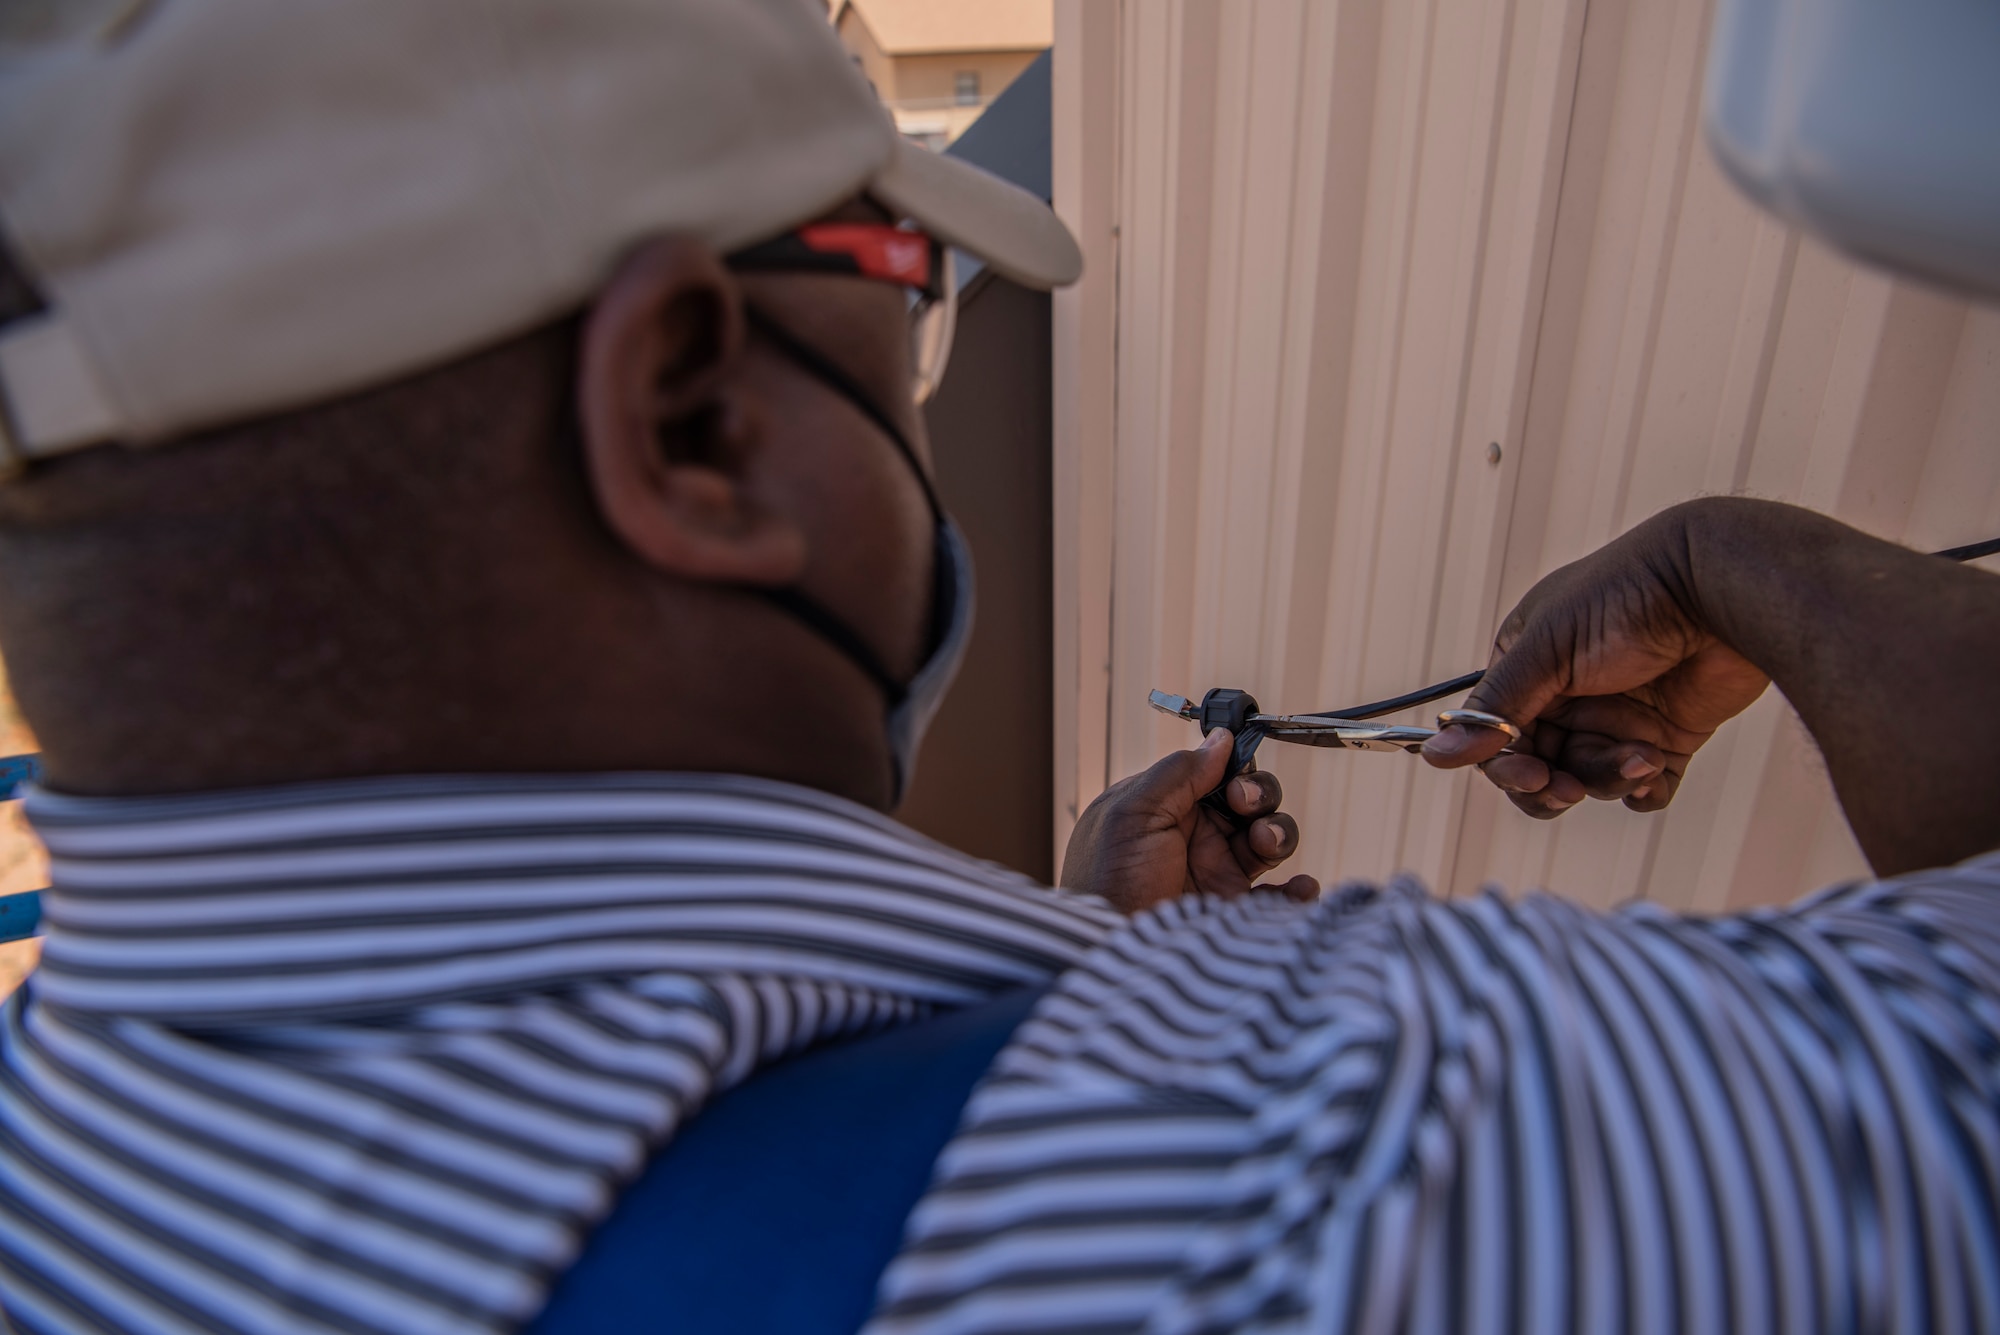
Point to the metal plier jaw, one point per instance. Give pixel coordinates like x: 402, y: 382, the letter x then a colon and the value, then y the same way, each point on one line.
x: 1237, y: 711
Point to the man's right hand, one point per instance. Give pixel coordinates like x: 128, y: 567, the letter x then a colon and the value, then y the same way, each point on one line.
x: 1613, y: 677
x: 1618, y: 667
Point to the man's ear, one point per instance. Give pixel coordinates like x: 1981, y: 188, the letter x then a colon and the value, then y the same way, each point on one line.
x: 667, y: 437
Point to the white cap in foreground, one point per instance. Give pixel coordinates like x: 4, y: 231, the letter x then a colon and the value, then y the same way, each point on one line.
x: 235, y: 207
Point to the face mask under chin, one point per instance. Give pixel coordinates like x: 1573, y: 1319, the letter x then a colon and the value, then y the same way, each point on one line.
x: 910, y: 705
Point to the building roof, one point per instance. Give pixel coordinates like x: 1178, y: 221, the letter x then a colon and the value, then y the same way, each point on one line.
x: 919, y: 27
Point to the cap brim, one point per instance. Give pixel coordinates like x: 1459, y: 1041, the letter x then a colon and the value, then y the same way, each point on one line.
x: 1016, y: 234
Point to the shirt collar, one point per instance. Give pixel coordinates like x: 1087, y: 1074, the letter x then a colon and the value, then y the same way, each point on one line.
x: 368, y: 897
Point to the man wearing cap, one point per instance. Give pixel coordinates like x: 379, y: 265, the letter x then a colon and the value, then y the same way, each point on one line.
x: 471, y: 562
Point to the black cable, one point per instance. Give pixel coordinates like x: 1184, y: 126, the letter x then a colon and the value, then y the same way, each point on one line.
x: 1410, y: 701
x: 1972, y: 551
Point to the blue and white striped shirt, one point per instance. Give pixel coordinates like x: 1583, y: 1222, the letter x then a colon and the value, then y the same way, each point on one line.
x: 375, y: 1056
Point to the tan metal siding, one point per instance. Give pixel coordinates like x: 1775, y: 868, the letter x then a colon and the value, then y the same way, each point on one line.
x: 1338, y: 248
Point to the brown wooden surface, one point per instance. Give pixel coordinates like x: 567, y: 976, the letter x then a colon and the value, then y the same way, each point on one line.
x: 983, y: 779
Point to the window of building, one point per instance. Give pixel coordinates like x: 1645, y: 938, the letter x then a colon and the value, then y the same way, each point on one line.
x: 965, y: 88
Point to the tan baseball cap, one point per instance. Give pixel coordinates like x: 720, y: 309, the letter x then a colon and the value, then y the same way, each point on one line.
x: 234, y: 207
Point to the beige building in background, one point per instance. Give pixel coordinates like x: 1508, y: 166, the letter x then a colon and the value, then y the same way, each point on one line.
x: 1391, y: 307
x: 937, y: 63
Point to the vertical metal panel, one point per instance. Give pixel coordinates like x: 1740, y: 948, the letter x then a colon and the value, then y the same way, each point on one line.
x: 1349, y: 244
x: 1083, y: 335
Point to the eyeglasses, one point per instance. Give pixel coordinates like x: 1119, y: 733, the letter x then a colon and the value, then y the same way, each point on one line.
x: 919, y: 262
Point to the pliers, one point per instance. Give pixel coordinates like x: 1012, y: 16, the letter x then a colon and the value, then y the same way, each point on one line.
x: 1225, y: 707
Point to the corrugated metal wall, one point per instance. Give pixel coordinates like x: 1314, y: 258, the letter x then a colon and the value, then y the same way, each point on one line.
x: 1338, y: 250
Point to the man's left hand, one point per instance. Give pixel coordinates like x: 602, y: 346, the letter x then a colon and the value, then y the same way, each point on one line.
x: 1148, y: 838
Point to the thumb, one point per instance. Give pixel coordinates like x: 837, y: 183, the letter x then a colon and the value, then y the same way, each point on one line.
x: 1522, y: 680
x: 1180, y: 779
